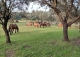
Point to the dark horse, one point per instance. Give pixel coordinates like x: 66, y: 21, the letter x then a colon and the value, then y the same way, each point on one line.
x: 12, y: 27
x: 43, y: 24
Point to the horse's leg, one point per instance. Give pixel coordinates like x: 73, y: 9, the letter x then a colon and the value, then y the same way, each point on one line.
x: 18, y: 30
x: 10, y: 31
x: 40, y: 25
x: 37, y: 26
x: 43, y: 25
x: 15, y: 30
x: 46, y: 25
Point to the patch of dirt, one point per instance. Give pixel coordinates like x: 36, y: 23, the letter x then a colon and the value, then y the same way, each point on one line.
x: 9, y: 53
x: 26, y: 46
x: 76, y: 41
x: 51, y: 42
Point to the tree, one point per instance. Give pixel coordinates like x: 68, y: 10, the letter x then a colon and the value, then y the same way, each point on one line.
x: 6, y: 9
x: 67, y: 11
x: 4, y: 17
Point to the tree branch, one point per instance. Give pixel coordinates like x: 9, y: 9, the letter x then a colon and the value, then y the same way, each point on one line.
x: 53, y: 5
x: 68, y: 9
x: 1, y: 21
x: 75, y: 19
x: 53, y: 2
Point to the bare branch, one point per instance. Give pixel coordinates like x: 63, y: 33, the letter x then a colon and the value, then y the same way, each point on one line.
x: 55, y: 9
x: 74, y: 20
x: 54, y: 3
x: 68, y: 9
x: 1, y: 22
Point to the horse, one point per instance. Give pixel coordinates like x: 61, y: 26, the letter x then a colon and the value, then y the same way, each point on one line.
x: 36, y: 24
x: 29, y: 24
x: 47, y: 23
x: 12, y: 27
x: 60, y: 25
x: 43, y: 24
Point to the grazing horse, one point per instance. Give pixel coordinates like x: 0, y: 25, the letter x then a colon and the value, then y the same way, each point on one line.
x: 47, y: 23
x: 12, y: 27
x: 60, y: 25
x: 36, y: 24
x: 43, y: 24
x: 29, y: 24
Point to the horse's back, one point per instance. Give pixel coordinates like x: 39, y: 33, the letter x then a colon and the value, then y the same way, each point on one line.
x: 13, y: 26
x: 36, y: 24
x: 29, y: 23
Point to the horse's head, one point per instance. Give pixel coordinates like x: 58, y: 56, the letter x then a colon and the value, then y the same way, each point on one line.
x: 9, y: 31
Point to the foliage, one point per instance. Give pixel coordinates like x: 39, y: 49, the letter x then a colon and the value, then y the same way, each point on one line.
x: 66, y: 10
x: 6, y: 8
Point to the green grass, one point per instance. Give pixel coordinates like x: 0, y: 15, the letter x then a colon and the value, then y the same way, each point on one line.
x: 40, y: 42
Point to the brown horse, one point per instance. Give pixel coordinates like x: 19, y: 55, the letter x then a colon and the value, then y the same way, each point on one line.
x: 12, y: 27
x: 60, y: 25
x: 29, y: 24
x: 36, y: 24
x: 43, y: 24
x: 47, y: 23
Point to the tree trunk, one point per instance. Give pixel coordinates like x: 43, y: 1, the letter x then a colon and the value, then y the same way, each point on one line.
x: 65, y: 31
x: 6, y: 34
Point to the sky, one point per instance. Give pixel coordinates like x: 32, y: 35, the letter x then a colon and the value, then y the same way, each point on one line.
x: 33, y: 6
x: 37, y: 7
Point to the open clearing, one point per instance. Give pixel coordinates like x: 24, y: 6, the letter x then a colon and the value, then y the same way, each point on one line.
x: 40, y: 42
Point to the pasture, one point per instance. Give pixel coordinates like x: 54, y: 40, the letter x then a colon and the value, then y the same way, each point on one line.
x: 40, y: 42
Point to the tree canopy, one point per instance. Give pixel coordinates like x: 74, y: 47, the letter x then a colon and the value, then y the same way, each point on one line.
x: 6, y: 9
x: 67, y: 11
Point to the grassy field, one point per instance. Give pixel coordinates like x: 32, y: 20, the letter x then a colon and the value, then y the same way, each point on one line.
x: 40, y: 42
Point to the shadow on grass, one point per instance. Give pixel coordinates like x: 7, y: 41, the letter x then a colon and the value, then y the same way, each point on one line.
x: 76, y: 41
